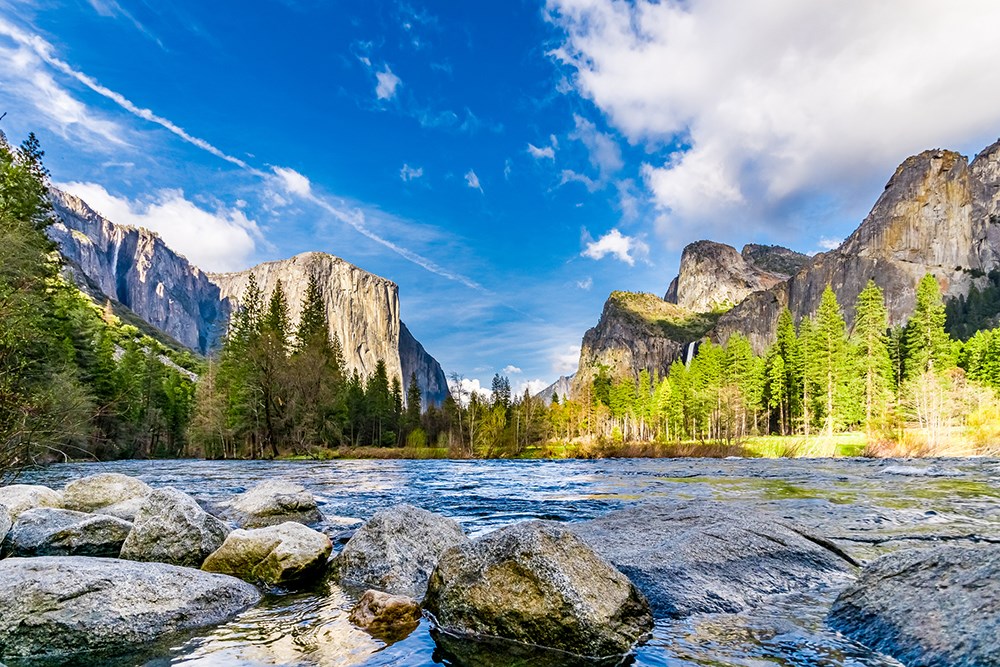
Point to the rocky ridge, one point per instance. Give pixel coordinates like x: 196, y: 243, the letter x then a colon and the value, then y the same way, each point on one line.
x: 135, y: 268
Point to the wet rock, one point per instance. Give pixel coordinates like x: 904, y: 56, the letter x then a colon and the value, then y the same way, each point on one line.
x: 126, y: 509
x: 276, y: 555
x: 19, y: 498
x: 385, y: 616
x: 5, y: 522
x: 61, y: 608
x: 397, y: 549
x: 172, y: 528
x: 493, y: 652
x: 92, y: 493
x: 273, y: 502
x: 927, y: 608
x: 705, y: 557
x: 46, y: 531
x: 539, y: 584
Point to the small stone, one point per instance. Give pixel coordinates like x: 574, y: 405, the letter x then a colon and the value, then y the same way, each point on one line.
x: 172, y: 528
x: 273, y: 502
x: 397, y: 549
x: 537, y: 583
x: 276, y: 555
x: 89, y: 494
x: 46, y: 531
x: 19, y: 498
x: 386, y: 616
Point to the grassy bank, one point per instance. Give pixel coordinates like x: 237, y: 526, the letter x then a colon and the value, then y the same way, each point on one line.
x: 772, y: 446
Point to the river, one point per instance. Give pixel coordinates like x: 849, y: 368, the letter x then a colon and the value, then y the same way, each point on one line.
x: 867, y: 507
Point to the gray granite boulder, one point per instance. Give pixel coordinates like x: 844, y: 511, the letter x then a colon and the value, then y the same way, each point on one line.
x: 396, y: 550
x: 5, y: 522
x: 89, y: 494
x: 61, y: 609
x: 537, y: 583
x: 278, y: 555
x: 706, y: 557
x: 46, y: 531
x: 126, y: 509
x: 172, y: 528
x: 927, y: 608
x: 22, y: 497
x: 273, y: 502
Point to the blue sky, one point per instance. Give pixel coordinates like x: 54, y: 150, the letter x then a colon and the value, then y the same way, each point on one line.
x: 507, y: 163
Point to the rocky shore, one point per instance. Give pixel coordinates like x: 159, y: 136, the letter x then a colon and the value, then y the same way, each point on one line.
x: 108, y: 562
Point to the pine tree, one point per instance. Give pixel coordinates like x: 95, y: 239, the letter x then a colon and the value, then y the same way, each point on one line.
x: 413, y: 399
x: 829, y: 370
x: 313, y: 329
x: 871, y: 322
x: 787, y: 344
x: 928, y: 347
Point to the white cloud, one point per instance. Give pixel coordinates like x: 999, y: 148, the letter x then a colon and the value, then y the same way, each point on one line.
x: 506, y: 169
x: 293, y: 182
x: 548, y: 152
x: 533, y: 387
x: 624, y: 248
x: 511, y: 369
x: 408, y: 173
x: 586, y: 283
x: 566, y: 359
x: 770, y: 104
x: 473, y: 181
x: 385, y: 89
x: 605, y: 155
x: 829, y: 243
x: 220, y: 240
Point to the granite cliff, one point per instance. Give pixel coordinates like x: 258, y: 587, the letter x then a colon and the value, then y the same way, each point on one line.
x: 938, y: 214
x: 135, y: 268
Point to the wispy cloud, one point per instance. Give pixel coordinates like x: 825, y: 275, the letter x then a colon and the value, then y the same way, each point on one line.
x: 585, y: 284
x: 546, y: 152
x: 511, y: 369
x: 113, y: 9
x: 408, y: 173
x: 473, y: 181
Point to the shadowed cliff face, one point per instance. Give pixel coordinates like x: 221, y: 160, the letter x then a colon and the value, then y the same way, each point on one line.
x: 937, y: 215
x: 134, y: 267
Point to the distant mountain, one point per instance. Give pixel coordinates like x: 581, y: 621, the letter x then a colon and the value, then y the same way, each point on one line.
x: 136, y: 269
x: 561, y: 388
x: 938, y: 214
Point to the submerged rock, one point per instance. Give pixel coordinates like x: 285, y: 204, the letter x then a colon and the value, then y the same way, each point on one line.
x: 46, y: 531
x: 89, y: 494
x: 277, y: 555
x: 705, y: 557
x: 74, y: 607
x: 172, y: 528
x: 927, y: 608
x: 537, y: 583
x: 397, y: 549
x: 385, y: 616
x: 272, y: 502
x: 18, y: 498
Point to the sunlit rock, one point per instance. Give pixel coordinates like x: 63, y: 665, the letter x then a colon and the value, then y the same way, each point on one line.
x: 95, y: 492
x: 18, y: 498
x: 284, y: 554
x: 172, y: 528
x: 272, y: 502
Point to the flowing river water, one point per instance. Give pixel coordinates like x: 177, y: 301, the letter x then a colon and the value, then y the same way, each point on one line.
x: 867, y: 507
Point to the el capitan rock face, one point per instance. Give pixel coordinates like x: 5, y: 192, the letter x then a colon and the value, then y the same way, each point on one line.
x: 135, y: 268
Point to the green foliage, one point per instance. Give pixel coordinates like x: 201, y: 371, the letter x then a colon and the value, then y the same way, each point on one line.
x: 979, y: 310
x: 927, y: 345
x: 871, y: 354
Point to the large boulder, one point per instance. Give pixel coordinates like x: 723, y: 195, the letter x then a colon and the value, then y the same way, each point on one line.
x: 385, y: 616
x: 273, y: 502
x: 537, y: 583
x: 397, y: 549
x: 172, y: 528
x: 705, y: 557
x: 927, y: 608
x: 126, y: 509
x: 45, y: 531
x: 89, y: 494
x: 276, y: 555
x: 22, y: 497
x: 57, y: 609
